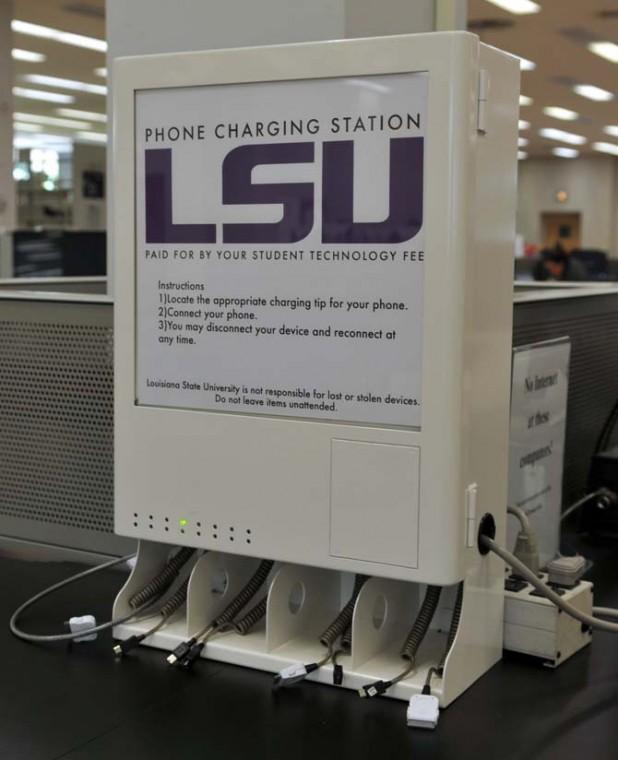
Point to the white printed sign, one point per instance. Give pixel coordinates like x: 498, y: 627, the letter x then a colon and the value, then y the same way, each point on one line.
x: 280, y: 247
x: 538, y: 424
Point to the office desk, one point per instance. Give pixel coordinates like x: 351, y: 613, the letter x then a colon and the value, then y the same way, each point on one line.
x: 83, y: 705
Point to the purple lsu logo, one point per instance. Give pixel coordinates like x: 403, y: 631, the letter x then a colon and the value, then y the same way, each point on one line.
x: 404, y: 220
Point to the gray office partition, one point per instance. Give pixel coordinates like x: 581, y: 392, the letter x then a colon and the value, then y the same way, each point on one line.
x: 56, y: 420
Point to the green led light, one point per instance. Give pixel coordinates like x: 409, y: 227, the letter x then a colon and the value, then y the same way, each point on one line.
x: 182, y: 523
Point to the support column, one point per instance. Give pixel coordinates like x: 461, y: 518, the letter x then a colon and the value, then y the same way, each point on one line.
x: 158, y: 26
x: 450, y: 15
x: 7, y: 184
x: 367, y: 18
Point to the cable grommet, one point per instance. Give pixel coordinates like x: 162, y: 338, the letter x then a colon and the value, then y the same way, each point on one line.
x: 487, y: 527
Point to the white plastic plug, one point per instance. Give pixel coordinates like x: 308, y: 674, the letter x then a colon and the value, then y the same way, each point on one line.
x: 83, y: 623
x: 423, y: 711
x: 566, y: 571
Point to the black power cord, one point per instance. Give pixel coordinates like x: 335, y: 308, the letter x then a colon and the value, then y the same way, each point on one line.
x: 607, y: 429
x: 150, y: 595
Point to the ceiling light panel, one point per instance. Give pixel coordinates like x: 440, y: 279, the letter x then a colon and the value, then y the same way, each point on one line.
x: 50, y: 97
x: 611, y: 129
x: 565, y: 152
x: 19, y: 127
x: 524, y: 100
x: 607, y: 50
x: 27, y: 55
x: 525, y: 64
x: 523, y: 124
x: 65, y: 84
x: 97, y: 137
x: 50, y: 121
x: 519, y: 7
x: 549, y: 133
x: 54, y: 142
x: 57, y: 35
x: 592, y: 92
x: 75, y: 113
x: 605, y: 147
x: 564, y: 114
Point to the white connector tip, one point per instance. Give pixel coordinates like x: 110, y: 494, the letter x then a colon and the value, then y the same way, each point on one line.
x: 83, y: 623
x: 423, y: 711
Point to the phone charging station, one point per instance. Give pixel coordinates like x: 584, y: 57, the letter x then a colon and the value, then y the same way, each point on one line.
x: 313, y: 286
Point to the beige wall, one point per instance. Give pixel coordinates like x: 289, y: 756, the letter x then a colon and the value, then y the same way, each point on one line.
x: 592, y: 187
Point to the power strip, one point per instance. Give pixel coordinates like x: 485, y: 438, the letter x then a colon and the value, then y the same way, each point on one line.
x: 534, y: 626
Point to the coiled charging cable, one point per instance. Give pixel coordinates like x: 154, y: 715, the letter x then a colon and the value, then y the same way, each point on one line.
x: 161, y: 582
x: 165, y: 613
x: 438, y: 670
x: 252, y: 618
x: 410, y: 646
x: 340, y: 626
x: 187, y: 652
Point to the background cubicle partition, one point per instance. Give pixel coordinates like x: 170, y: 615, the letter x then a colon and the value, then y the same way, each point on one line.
x: 597, y: 264
x: 53, y: 253
x: 96, y: 285
x: 56, y: 404
x: 589, y: 316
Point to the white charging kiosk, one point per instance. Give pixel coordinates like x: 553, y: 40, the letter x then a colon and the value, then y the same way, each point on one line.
x: 313, y: 260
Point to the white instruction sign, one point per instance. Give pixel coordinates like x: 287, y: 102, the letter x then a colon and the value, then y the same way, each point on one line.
x: 280, y: 247
x: 538, y: 424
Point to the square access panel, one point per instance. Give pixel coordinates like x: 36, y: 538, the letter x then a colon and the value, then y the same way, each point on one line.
x: 374, y: 486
